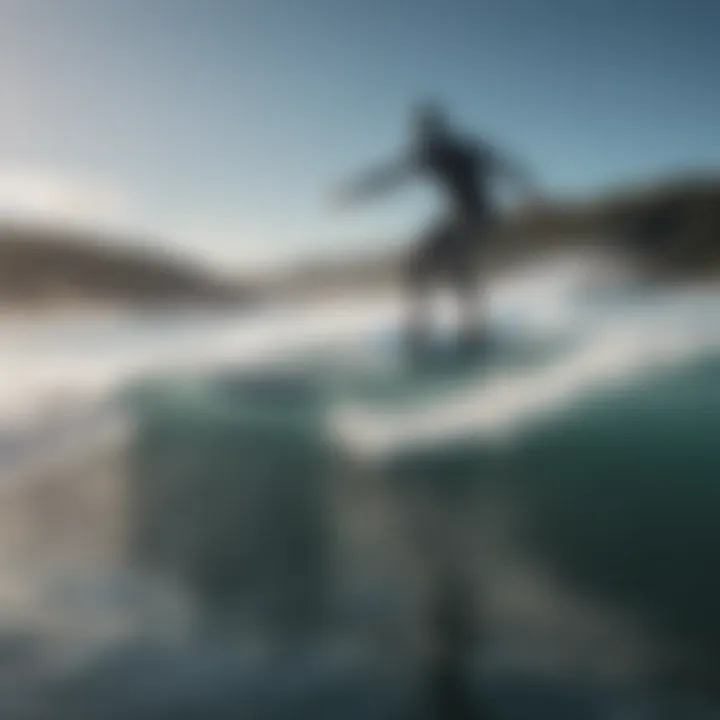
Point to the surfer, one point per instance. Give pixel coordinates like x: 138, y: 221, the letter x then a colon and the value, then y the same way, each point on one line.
x: 448, y: 251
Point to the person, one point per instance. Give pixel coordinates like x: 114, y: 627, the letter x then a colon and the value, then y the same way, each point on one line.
x: 447, y: 253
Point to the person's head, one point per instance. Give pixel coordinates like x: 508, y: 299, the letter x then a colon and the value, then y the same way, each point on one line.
x: 428, y: 121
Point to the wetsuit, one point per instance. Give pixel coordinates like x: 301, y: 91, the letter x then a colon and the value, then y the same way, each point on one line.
x: 448, y: 250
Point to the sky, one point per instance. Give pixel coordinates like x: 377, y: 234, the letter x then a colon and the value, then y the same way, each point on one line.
x: 218, y: 127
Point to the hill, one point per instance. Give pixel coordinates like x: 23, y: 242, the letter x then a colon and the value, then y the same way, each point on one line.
x: 672, y: 226
x: 42, y: 267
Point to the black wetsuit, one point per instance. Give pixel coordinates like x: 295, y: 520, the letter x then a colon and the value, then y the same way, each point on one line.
x: 448, y: 250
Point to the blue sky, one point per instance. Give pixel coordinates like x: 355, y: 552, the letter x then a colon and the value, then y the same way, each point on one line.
x: 220, y: 125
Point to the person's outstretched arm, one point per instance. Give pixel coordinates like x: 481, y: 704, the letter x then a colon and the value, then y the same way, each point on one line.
x: 376, y: 182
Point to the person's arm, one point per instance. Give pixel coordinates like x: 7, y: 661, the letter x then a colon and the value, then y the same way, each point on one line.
x: 376, y: 182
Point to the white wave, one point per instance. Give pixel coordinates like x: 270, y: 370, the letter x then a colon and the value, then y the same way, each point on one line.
x: 92, y: 351
x: 60, y: 373
x: 498, y: 406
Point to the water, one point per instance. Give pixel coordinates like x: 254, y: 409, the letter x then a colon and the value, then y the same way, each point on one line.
x: 267, y: 531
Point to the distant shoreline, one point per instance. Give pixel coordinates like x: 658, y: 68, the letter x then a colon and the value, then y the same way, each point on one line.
x: 671, y: 231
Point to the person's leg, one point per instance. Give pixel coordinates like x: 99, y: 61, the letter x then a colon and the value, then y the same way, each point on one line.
x: 422, y: 271
x: 470, y: 320
x: 418, y: 291
x: 466, y: 286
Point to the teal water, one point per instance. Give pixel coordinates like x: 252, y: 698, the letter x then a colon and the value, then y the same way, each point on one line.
x: 246, y: 486
x: 309, y: 501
